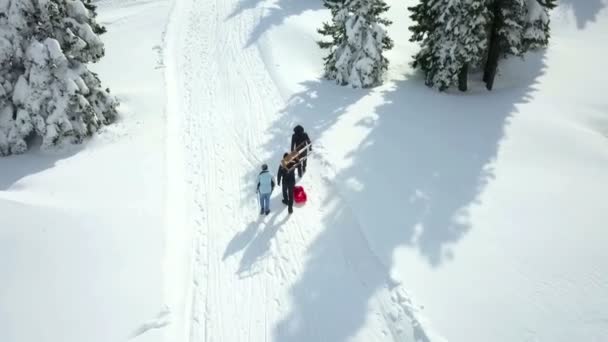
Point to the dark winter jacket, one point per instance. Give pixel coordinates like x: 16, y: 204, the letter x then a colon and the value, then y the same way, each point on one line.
x: 299, y: 139
x: 288, y: 177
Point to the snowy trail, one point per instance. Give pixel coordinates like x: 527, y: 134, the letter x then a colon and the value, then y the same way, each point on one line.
x: 226, y: 100
x: 251, y: 275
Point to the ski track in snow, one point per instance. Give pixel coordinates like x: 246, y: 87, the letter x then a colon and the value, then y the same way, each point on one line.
x: 162, y: 319
x: 245, y: 266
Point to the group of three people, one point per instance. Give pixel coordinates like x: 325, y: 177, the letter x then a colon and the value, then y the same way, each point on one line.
x: 286, y: 172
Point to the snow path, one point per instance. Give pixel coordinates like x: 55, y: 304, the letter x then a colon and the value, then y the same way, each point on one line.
x: 258, y: 279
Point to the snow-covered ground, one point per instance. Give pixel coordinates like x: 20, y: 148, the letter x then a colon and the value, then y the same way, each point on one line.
x: 430, y: 217
x: 82, y: 231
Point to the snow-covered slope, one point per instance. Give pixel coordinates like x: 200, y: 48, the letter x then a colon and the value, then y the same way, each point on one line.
x: 81, y: 231
x: 464, y: 217
x: 487, y: 208
x: 430, y: 217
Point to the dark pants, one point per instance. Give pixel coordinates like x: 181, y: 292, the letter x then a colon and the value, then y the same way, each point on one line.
x: 288, y: 193
x: 302, y: 164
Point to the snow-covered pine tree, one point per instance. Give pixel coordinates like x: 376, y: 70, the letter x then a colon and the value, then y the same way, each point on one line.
x: 453, y: 36
x: 508, y: 20
x: 513, y: 15
x: 426, y: 24
x: 537, y: 33
x: 46, y: 88
x: 357, y: 41
x: 336, y: 32
x: 456, y: 34
x: 517, y: 27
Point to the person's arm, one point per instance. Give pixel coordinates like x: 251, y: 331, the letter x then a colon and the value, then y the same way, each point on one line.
x: 272, y: 184
x: 308, y: 142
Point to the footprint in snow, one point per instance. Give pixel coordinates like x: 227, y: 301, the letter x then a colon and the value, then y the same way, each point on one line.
x: 161, y: 320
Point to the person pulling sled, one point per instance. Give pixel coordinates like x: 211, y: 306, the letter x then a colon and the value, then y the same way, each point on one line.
x: 264, y: 189
x: 287, y: 175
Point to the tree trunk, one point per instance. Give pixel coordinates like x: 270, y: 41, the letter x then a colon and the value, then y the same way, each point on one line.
x: 494, y: 52
x: 462, y: 77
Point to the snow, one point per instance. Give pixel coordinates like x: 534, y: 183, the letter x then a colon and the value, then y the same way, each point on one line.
x: 356, y: 37
x: 82, y: 231
x: 475, y: 216
x: 50, y: 65
x: 77, y: 10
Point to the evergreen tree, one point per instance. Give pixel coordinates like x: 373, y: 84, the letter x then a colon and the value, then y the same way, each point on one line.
x: 459, y: 35
x: 517, y: 27
x: 424, y: 32
x: 513, y: 19
x: 536, y: 34
x: 357, y: 40
x: 453, y: 39
x: 336, y: 32
x: 45, y: 86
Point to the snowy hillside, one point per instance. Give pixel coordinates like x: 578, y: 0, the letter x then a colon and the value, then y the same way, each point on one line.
x: 475, y: 216
x: 81, y: 230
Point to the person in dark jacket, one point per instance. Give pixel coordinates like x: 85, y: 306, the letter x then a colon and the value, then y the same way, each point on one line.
x: 286, y: 174
x: 299, y: 139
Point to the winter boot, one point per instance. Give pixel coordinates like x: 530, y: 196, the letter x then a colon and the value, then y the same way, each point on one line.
x: 267, y: 212
x: 290, y: 210
x: 284, y: 201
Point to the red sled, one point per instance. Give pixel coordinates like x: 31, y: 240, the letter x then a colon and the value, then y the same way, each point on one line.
x: 299, y: 195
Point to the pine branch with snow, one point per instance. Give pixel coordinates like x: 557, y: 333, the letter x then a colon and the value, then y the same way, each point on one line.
x: 511, y: 17
x: 517, y: 27
x: 424, y: 31
x: 537, y: 32
x: 357, y: 41
x: 453, y: 39
x: 524, y: 25
x: 46, y: 89
x: 456, y: 36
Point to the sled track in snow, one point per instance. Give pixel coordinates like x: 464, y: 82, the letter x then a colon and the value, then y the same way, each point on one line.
x: 245, y: 269
x: 226, y: 101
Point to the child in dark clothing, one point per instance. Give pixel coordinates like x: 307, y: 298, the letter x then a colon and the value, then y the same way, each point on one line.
x: 286, y: 174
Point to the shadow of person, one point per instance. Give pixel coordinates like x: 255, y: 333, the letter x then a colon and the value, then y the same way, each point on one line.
x: 242, y: 239
x: 259, y: 247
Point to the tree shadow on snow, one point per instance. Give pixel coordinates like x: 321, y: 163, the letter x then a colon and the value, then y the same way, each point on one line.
x: 425, y: 160
x: 275, y: 15
x: 16, y: 167
x: 585, y: 11
x: 440, y: 164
